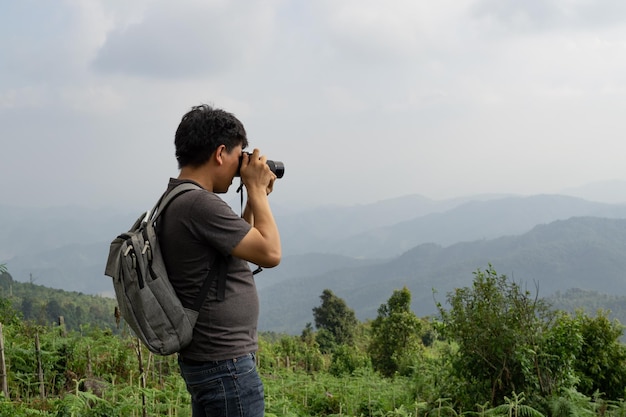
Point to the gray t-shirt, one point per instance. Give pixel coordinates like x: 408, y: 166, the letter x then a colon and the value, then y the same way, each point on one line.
x: 193, y: 229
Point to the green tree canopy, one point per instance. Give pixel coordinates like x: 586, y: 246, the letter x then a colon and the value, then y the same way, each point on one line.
x: 336, y: 321
x: 497, y: 326
x: 396, y: 341
x: 601, y: 362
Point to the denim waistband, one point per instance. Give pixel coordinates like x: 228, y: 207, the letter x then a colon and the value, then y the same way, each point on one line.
x: 194, y: 362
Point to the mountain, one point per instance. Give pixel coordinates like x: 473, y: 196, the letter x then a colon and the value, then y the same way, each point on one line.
x: 471, y: 221
x: 74, y: 267
x: 60, y: 247
x: 583, y: 252
x: 313, y: 230
x: 66, y: 247
x: 612, y: 191
x: 308, y: 265
x: 357, y: 251
x: 27, y: 230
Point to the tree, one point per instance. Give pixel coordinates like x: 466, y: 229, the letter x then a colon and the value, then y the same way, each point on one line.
x: 560, y: 345
x: 346, y: 360
x: 6, y: 281
x: 335, y: 320
x: 585, y: 354
x: 53, y: 310
x: 8, y: 315
x: 601, y: 363
x: 396, y: 341
x: 308, y: 335
x: 27, y: 308
x: 497, y: 326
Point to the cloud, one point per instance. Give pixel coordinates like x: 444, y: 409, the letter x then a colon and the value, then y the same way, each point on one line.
x: 528, y: 16
x: 188, y: 39
x: 361, y: 99
x: 48, y: 42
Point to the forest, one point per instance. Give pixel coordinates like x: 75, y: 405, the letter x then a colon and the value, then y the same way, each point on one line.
x: 493, y: 349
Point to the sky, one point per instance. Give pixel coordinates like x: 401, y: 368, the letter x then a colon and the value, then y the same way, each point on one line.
x: 362, y: 100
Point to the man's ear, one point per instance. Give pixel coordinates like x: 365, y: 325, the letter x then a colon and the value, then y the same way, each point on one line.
x: 218, y: 154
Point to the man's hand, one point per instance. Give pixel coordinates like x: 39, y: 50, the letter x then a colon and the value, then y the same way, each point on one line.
x: 255, y: 173
x: 262, y: 243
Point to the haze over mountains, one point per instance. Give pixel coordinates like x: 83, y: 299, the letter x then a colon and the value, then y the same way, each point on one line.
x: 362, y: 253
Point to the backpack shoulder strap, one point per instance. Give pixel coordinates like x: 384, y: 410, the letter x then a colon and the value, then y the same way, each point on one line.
x: 168, y: 197
x: 217, y: 272
x: 218, y: 267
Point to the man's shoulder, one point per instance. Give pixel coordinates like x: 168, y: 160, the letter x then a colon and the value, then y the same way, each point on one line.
x: 174, y: 182
x: 198, y: 202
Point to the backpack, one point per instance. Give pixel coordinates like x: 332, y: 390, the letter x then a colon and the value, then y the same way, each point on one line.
x: 147, y: 301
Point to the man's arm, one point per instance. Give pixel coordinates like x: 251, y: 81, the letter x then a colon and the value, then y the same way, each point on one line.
x: 261, y: 245
x: 248, y: 215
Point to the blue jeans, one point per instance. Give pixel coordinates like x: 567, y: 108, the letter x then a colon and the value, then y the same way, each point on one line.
x: 229, y: 388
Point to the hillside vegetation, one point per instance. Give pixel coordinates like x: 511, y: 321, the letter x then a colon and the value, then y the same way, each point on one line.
x: 586, y: 253
x: 493, y: 349
x: 44, y: 306
x: 362, y: 252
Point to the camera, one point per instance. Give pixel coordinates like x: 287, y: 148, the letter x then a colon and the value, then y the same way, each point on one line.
x: 277, y: 167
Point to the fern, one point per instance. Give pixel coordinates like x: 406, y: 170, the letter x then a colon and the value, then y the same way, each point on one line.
x: 571, y: 404
x: 514, y: 408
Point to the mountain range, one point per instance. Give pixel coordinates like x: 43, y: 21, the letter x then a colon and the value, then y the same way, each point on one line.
x: 363, y: 252
x: 580, y: 252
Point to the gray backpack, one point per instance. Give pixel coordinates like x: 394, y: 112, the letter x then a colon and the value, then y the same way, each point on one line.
x: 146, y: 298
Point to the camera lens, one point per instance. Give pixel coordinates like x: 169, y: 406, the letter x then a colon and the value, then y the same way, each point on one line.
x: 277, y: 167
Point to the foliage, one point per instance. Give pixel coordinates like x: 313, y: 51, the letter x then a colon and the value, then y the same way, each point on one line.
x: 346, y: 361
x: 513, y: 407
x: 497, y: 326
x: 44, y: 306
x: 8, y: 314
x: 558, y: 348
x: 291, y: 352
x: 601, y: 362
x: 361, y: 394
x: 571, y: 403
x: 396, y: 342
x: 511, y: 342
x: 590, y: 302
x: 556, y: 364
x: 336, y: 322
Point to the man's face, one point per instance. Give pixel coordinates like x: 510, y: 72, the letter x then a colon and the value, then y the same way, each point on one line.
x: 230, y: 165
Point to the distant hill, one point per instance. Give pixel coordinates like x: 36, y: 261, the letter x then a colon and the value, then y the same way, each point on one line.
x: 611, y: 191
x: 590, y: 302
x: 73, y: 267
x: 361, y: 252
x: 66, y: 247
x: 471, y: 221
x: 585, y: 252
x: 320, y: 229
x: 26, y: 231
x: 44, y: 306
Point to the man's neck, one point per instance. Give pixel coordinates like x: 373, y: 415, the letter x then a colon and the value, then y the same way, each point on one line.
x: 197, y: 174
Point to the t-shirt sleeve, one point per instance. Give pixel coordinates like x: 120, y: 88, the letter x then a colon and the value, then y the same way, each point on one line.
x: 214, y: 222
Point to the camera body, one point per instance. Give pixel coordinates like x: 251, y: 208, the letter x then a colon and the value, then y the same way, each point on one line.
x: 277, y: 167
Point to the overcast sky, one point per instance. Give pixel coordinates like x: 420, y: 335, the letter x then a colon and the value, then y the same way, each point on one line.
x: 363, y: 100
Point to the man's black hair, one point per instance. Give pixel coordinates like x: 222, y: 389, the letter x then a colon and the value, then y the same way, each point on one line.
x: 202, y: 130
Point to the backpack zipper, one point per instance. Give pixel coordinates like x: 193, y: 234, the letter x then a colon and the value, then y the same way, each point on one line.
x: 147, y: 249
x: 130, y: 250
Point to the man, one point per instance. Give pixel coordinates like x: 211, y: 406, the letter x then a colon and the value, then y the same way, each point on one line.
x: 199, y: 228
